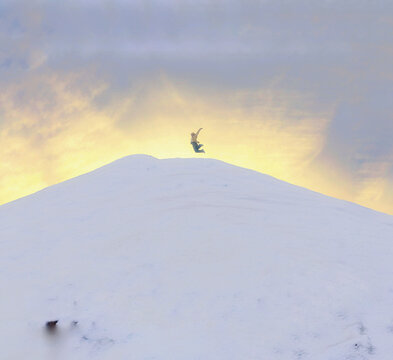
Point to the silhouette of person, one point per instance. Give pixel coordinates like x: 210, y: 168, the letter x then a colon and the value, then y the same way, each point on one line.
x: 195, y: 143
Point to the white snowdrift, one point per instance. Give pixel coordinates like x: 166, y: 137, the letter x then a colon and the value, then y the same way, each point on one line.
x: 186, y: 259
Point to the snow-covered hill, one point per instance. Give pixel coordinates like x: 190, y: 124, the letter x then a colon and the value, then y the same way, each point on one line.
x: 186, y: 259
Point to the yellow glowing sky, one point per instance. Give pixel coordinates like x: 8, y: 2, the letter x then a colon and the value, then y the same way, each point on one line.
x: 298, y: 91
x: 48, y: 144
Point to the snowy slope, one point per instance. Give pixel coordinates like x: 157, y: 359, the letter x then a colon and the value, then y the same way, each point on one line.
x: 186, y: 259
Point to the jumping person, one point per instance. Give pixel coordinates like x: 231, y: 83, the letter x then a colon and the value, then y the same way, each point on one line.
x: 195, y: 143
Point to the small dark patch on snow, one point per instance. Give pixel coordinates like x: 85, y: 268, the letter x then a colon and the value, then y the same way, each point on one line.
x: 299, y: 354
x: 368, y: 348
x: 362, y: 329
x: 51, y: 326
x: 105, y: 341
x: 341, y: 315
x: 371, y: 349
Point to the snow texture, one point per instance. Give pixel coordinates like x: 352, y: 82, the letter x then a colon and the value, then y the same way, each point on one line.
x: 186, y: 259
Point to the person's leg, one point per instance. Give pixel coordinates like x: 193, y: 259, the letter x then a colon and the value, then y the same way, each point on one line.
x: 196, y: 147
x: 199, y: 148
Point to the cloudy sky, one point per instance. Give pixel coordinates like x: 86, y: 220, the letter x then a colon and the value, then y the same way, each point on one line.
x: 301, y: 90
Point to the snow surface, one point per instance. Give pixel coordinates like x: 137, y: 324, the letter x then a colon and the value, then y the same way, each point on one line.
x: 186, y: 259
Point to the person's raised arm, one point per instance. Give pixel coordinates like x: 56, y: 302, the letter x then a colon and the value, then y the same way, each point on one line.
x: 198, y: 131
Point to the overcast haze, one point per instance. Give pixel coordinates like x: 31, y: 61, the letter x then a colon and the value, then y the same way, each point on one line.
x: 299, y: 90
